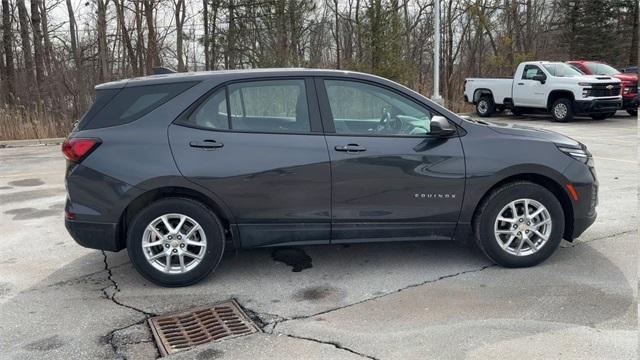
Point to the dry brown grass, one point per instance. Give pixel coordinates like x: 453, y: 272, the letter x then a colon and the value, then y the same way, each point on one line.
x: 36, y: 121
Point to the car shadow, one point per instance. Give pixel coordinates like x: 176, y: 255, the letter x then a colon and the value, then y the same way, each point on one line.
x: 68, y: 311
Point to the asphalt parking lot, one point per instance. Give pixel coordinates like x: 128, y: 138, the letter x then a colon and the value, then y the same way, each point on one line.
x: 378, y: 301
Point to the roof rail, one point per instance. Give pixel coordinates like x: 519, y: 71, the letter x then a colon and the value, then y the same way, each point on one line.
x: 162, y: 70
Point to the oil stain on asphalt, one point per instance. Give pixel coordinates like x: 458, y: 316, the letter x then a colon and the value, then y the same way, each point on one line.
x: 296, y: 258
x: 27, y: 182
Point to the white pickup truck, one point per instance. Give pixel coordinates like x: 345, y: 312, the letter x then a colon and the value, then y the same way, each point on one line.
x: 553, y: 87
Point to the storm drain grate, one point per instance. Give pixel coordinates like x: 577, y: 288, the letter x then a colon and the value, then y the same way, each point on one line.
x: 182, y: 331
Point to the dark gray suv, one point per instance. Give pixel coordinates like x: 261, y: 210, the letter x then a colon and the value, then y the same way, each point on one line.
x: 178, y: 167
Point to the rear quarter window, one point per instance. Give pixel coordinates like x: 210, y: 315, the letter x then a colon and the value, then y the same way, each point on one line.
x: 129, y: 104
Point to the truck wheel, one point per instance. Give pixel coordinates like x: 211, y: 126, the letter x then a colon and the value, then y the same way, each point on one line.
x: 520, y: 224
x: 632, y: 112
x: 562, y: 110
x: 485, y: 106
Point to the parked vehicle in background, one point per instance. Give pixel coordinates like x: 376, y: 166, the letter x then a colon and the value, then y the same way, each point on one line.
x: 541, y: 86
x: 629, y: 81
x: 630, y: 70
x: 178, y: 167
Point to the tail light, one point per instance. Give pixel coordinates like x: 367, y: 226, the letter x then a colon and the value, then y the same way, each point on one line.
x: 77, y: 149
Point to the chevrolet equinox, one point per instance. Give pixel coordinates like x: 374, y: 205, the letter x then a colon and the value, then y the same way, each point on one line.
x: 177, y: 167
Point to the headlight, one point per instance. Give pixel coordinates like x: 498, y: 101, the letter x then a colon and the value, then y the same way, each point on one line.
x: 629, y: 89
x: 580, y: 154
x: 585, y: 84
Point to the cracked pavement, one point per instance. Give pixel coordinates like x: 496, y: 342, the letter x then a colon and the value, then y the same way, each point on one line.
x: 375, y: 301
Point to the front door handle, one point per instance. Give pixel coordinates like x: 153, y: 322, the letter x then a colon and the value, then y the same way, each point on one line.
x: 520, y: 83
x: 351, y: 148
x: 206, y: 144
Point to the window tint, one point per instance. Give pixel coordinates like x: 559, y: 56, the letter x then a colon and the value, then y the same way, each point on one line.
x: 102, y: 98
x: 362, y: 109
x: 212, y: 113
x: 530, y: 71
x: 134, y: 102
x: 269, y: 106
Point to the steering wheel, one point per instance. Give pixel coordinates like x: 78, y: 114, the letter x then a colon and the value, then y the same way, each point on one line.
x: 388, y: 123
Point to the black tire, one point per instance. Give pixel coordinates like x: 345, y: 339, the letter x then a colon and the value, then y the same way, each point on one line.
x: 562, y: 110
x: 485, y: 106
x: 487, y: 213
x: 208, y: 221
x: 602, y: 116
x: 632, y: 112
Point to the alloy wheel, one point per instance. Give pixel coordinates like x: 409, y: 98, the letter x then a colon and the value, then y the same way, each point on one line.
x: 523, y: 227
x: 174, y: 243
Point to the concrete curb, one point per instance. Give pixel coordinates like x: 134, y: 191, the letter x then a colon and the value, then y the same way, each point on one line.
x: 30, y: 142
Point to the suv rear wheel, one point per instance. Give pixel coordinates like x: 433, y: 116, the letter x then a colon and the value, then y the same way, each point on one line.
x: 175, y: 242
x: 562, y: 110
x: 520, y: 224
x: 485, y: 106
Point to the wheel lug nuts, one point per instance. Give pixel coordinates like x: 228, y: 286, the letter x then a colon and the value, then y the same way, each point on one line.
x: 179, y: 237
x: 526, y: 231
x: 175, y: 250
x: 169, y: 237
x: 181, y: 245
x: 166, y: 245
x: 521, y: 220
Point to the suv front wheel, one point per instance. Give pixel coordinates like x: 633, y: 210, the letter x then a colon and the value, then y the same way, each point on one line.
x: 520, y: 224
x: 175, y: 242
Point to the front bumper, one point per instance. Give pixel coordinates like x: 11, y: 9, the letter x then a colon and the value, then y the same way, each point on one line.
x: 101, y: 236
x: 582, y: 224
x: 597, y: 106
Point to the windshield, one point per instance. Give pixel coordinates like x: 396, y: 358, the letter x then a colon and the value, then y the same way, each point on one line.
x: 561, y: 70
x: 601, y: 69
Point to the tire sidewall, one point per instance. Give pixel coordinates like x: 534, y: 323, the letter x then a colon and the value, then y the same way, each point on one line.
x: 490, y: 106
x: 197, y: 211
x: 569, y: 106
x: 485, y: 227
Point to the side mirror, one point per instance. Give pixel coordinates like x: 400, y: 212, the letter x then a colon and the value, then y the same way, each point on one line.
x: 440, y: 126
x: 540, y: 77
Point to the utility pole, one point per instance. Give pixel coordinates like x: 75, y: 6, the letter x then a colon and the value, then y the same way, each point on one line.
x: 436, y: 54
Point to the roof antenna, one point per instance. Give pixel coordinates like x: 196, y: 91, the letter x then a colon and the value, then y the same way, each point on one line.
x: 162, y: 70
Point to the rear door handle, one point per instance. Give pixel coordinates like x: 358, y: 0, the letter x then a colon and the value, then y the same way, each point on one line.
x: 520, y: 83
x: 206, y: 144
x: 351, y: 148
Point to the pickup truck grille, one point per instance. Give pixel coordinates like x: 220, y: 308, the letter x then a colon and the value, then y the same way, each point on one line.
x: 612, y: 89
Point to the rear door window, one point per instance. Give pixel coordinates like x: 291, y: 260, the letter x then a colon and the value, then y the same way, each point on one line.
x: 278, y: 106
x: 131, y: 103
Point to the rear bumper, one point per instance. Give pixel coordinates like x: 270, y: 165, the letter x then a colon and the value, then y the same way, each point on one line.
x: 597, y: 106
x: 101, y: 236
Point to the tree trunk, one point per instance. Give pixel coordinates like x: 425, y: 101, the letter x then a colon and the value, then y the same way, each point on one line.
x: 205, y: 36
x: 126, y: 38
x: 9, y: 75
x: 180, y: 14
x: 634, y: 52
x: 103, y: 74
x: 153, y: 55
x: 48, y: 47
x: 38, y: 50
x: 23, y: 17
x: 337, y: 34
